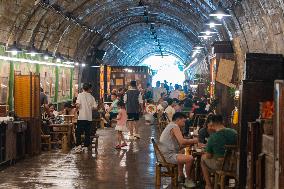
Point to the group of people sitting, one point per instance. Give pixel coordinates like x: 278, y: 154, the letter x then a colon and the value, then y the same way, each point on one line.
x: 172, y: 141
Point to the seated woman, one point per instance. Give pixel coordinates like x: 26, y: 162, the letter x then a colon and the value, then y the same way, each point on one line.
x: 171, y: 141
x: 46, y: 120
x: 52, y: 112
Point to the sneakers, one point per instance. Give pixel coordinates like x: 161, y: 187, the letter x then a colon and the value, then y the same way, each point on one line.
x: 78, y: 149
x: 137, y: 136
x: 189, y: 183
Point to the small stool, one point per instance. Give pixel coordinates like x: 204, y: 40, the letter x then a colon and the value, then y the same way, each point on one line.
x: 46, y: 140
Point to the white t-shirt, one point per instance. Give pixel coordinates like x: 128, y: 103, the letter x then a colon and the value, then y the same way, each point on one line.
x: 170, y: 111
x: 86, y: 104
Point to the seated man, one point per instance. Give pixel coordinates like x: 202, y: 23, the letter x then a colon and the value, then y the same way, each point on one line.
x: 206, y: 131
x: 215, y: 149
x: 171, y: 141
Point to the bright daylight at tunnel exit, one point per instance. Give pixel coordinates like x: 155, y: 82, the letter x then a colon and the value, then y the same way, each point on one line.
x: 141, y: 94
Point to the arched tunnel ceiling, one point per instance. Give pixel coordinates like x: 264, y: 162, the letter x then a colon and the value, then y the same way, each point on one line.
x: 122, y: 28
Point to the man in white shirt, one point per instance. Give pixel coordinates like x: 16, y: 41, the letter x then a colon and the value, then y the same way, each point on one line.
x: 170, y: 110
x: 85, y: 104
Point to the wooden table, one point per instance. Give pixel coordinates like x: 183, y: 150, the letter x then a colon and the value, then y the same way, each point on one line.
x: 61, y: 129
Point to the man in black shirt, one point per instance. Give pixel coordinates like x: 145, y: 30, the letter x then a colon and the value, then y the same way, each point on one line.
x: 134, y: 103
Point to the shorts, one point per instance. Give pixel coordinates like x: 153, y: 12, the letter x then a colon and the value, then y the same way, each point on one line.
x: 133, y: 116
x: 171, y: 158
x: 112, y: 115
x: 212, y: 164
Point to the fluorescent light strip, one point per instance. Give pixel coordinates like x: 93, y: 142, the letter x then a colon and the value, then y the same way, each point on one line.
x: 33, y: 61
x: 191, y: 64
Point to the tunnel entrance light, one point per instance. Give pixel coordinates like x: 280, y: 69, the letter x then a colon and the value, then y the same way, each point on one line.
x: 14, y: 49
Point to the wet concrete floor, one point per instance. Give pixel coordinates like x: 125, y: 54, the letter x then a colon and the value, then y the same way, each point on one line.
x: 132, y: 167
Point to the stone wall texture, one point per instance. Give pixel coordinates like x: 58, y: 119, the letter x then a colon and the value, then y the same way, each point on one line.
x: 256, y: 26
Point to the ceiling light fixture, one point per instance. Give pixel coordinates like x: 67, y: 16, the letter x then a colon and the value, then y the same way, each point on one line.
x: 33, y: 61
x: 198, y: 47
x: 14, y: 49
x: 208, y: 32
x: 219, y: 13
x: 205, y: 36
x: 213, y: 23
x: 32, y: 51
x: 46, y: 55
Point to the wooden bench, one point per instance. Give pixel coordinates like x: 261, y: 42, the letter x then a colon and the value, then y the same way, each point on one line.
x: 169, y: 170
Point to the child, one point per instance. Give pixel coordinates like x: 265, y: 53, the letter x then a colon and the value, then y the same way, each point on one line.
x: 121, y: 124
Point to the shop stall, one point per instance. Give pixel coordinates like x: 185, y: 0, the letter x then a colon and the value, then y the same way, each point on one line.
x: 21, y: 77
x: 256, y: 139
x: 122, y: 75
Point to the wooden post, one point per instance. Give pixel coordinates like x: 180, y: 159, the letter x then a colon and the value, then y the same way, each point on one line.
x: 71, y: 82
x: 56, y: 84
x: 11, y: 86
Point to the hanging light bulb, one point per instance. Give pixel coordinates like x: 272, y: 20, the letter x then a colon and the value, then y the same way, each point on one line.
x: 76, y: 63
x: 14, y: 49
x: 83, y: 65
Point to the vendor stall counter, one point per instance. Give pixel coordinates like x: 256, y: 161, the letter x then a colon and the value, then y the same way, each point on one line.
x: 11, y: 140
